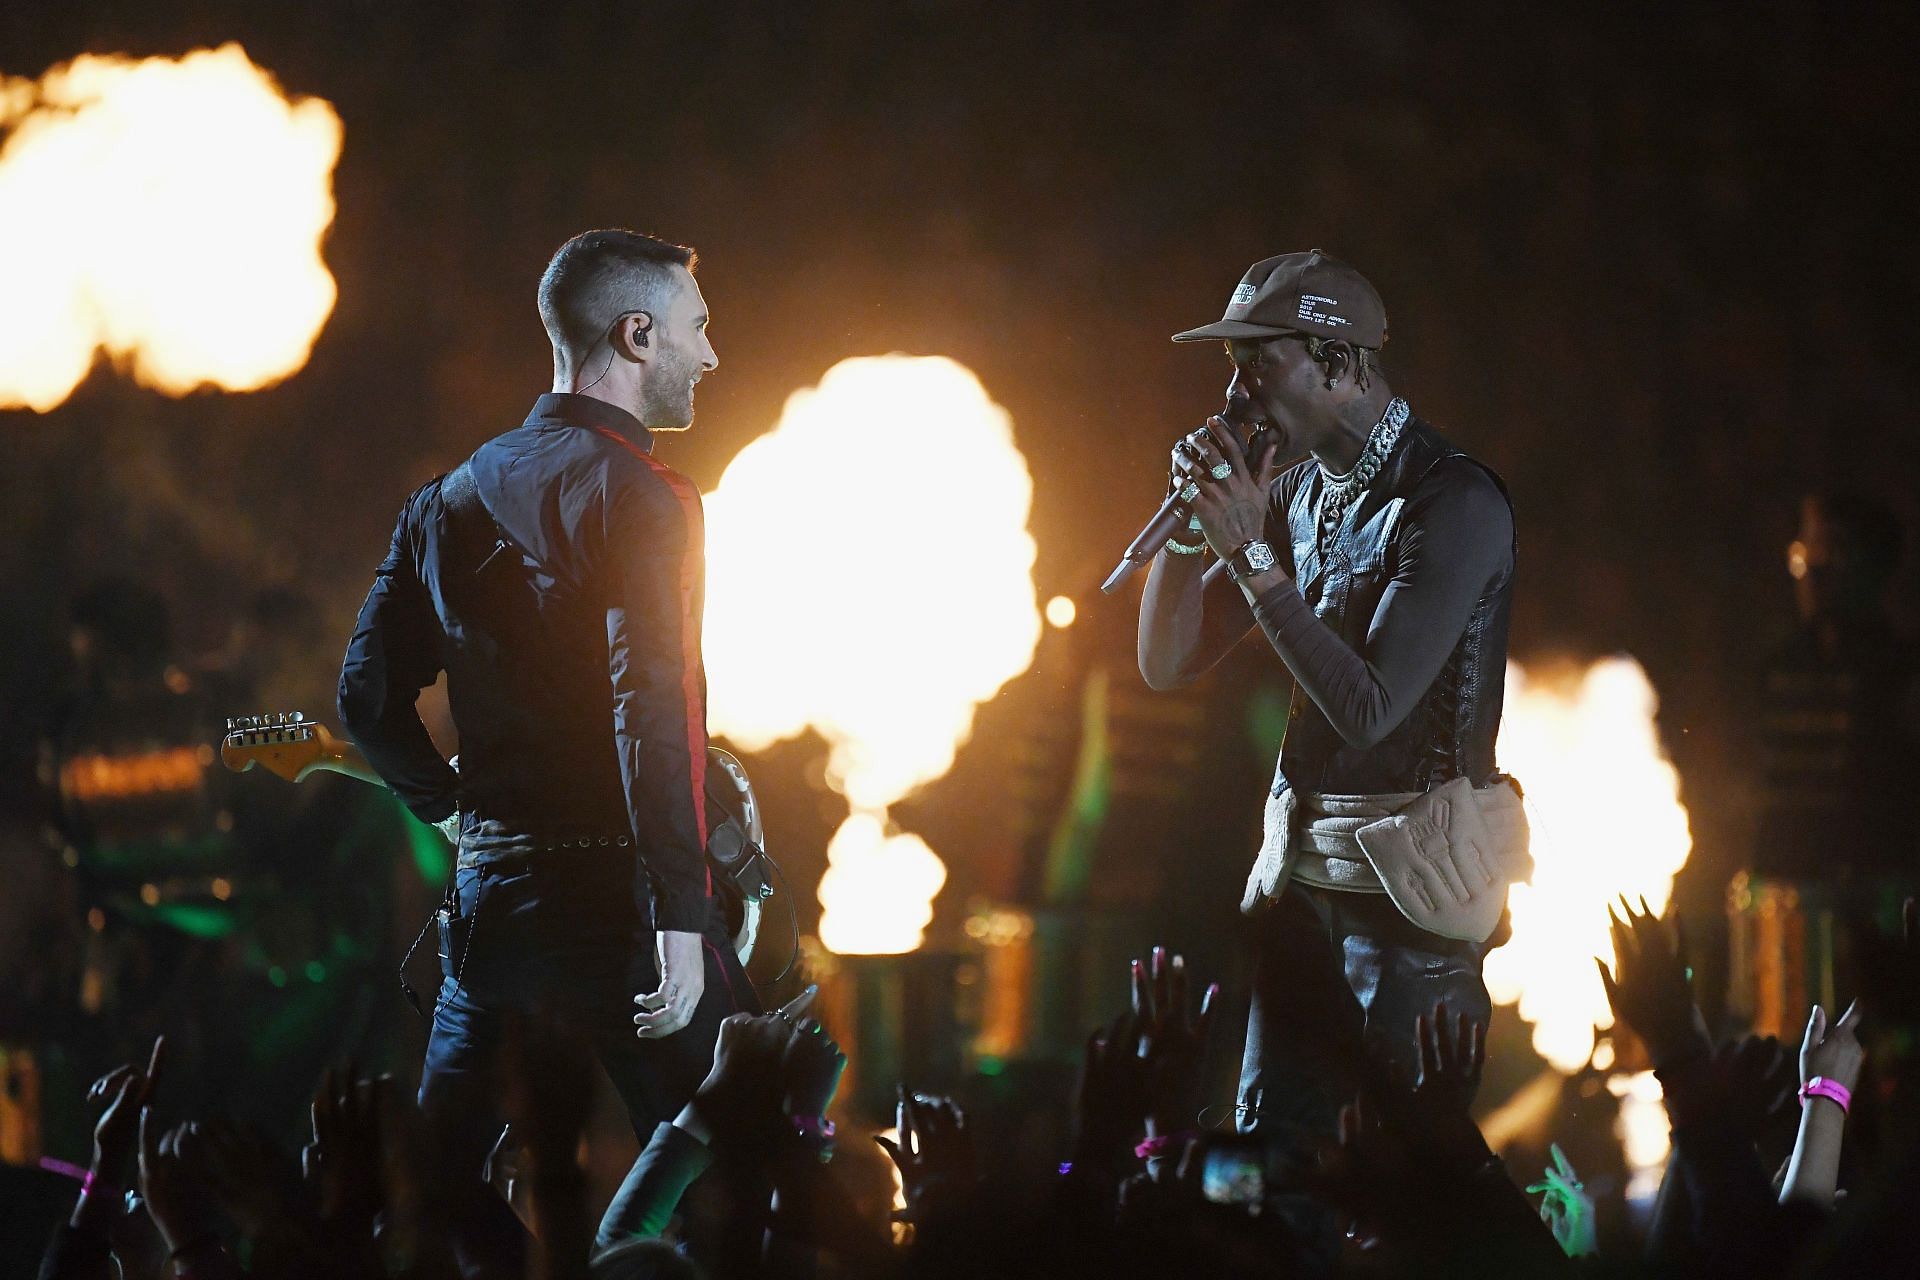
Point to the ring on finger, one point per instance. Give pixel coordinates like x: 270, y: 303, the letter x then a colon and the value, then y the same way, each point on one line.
x: 1221, y: 470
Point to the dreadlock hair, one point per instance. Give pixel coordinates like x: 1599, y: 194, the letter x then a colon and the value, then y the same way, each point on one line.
x: 1366, y: 359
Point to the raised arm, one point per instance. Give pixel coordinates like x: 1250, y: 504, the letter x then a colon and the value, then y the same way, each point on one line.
x: 1190, y: 618
x: 393, y: 655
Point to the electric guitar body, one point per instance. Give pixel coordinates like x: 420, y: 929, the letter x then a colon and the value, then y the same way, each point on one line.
x: 290, y: 746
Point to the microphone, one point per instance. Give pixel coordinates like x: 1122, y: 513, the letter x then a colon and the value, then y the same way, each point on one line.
x: 1173, y: 514
x: 1176, y: 511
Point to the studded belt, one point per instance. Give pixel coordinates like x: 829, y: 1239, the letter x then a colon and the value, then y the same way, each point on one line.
x: 499, y: 850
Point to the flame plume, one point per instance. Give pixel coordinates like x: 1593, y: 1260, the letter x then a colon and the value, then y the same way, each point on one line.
x: 880, y: 527
x: 168, y: 212
x: 1607, y: 819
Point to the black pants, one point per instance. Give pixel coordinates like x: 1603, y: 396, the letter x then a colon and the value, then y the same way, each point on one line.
x: 1338, y: 981
x: 558, y: 933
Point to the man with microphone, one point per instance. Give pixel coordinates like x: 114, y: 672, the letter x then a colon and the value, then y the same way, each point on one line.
x: 1379, y: 570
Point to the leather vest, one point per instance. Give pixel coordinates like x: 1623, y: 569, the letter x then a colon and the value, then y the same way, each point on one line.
x: 1451, y: 730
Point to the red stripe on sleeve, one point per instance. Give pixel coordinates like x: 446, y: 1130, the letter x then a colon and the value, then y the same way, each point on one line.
x: 689, y: 642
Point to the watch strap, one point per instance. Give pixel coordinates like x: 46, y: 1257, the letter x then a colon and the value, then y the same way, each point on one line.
x: 1253, y: 558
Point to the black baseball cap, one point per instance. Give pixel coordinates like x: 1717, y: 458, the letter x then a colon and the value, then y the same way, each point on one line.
x: 1300, y: 293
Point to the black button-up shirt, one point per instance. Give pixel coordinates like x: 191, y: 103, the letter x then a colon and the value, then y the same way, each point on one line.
x: 572, y: 651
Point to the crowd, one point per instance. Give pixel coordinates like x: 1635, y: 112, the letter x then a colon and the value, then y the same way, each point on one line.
x: 742, y: 1184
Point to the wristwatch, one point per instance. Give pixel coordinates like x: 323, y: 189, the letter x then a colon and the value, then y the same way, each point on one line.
x: 1255, y: 557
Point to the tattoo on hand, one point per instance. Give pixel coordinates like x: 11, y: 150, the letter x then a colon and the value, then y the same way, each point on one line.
x: 1244, y: 522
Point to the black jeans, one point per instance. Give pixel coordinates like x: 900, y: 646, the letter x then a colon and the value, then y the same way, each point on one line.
x: 557, y: 932
x: 1338, y: 981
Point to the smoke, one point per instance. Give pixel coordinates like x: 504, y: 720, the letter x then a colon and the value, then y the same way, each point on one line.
x: 872, y: 579
x: 168, y: 212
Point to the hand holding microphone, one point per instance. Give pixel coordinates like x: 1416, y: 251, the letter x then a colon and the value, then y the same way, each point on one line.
x: 1191, y: 482
x: 1229, y: 499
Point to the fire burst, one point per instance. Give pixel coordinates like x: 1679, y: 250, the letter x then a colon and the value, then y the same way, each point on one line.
x: 168, y: 212
x: 1604, y: 802
x: 881, y: 526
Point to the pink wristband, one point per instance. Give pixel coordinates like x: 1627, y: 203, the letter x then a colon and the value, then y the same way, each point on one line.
x: 812, y: 1126
x: 79, y: 1173
x: 1821, y: 1087
x: 1154, y: 1148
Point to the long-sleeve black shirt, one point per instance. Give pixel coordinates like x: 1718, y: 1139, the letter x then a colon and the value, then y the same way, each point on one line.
x: 1455, y: 545
x: 572, y: 654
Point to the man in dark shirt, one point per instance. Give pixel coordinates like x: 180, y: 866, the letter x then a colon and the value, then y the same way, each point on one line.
x: 1385, y: 591
x: 557, y: 578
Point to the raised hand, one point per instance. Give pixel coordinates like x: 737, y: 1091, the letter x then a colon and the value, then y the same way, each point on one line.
x: 344, y: 1159
x: 1138, y: 1067
x: 174, y: 1184
x: 1567, y: 1209
x: 1649, y: 988
x: 810, y: 1070
x: 1232, y: 490
x: 1367, y: 1172
x: 1834, y: 1054
x: 745, y: 1094
x: 934, y: 1151
x: 1170, y: 1036
x: 1432, y: 1116
x: 122, y: 1092
x: 1452, y: 1053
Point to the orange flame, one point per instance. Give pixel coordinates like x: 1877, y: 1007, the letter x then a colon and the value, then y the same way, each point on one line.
x: 1604, y: 802
x: 905, y: 602
x: 168, y: 212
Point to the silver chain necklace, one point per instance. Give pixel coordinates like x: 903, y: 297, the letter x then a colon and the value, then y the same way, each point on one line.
x: 1337, y: 493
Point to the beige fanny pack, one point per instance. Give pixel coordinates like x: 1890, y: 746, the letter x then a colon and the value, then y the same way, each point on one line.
x: 1445, y: 857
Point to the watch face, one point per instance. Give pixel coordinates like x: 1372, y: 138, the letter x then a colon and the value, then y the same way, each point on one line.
x: 1260, y: 557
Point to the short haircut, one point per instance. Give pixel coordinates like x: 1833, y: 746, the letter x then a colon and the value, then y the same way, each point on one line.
x: 596, y: 276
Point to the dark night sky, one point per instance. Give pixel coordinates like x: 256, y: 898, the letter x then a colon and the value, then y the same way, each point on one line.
x: 1654, y: 263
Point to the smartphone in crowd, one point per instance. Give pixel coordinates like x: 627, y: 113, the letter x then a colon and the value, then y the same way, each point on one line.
x: 1233, y: 1170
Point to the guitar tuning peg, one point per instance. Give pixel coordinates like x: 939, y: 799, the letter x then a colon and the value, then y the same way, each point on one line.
x: 299, y: 717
